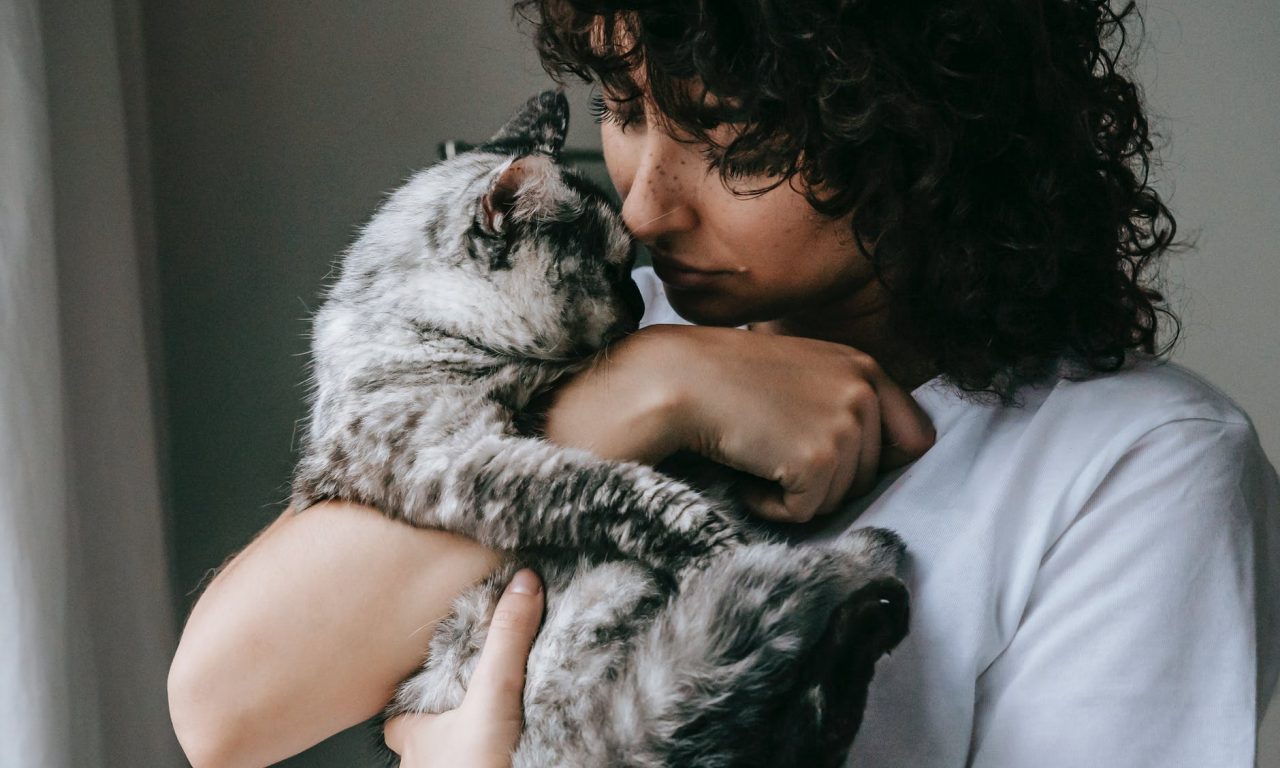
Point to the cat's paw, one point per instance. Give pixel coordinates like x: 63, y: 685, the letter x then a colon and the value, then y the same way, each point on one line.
x: 878, y: 550
x: 869, y: 624
x: 687, y: 530
x: 710, y: 525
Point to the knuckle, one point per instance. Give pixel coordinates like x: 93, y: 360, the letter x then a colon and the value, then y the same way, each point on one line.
x: 846, y: 427
x: 916, y: 444
x: 870, y: 365
x: 820, y: 457
x: 858, y: 360
x: 856, y: 392
x: 789, y: 476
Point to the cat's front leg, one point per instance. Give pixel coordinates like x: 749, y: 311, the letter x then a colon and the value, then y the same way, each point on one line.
x: 520, y: 493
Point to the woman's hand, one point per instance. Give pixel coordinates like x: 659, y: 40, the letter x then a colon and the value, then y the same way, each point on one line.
x: 817, y: 419
x: 482, y: 733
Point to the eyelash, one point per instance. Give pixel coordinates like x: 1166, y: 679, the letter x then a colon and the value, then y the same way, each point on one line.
x: 601, y: 113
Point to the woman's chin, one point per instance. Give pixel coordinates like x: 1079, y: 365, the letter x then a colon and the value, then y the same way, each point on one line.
x: 705, y: 307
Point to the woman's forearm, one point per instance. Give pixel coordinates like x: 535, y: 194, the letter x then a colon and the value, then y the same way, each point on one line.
x: 308, y: 630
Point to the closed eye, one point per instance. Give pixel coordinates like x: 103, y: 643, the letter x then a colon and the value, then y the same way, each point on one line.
x: 625, y: 115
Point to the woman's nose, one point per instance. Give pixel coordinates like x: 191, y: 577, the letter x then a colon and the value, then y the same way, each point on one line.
x: 661, y: 198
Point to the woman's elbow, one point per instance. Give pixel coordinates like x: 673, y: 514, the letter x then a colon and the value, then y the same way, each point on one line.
x: 206, y: 730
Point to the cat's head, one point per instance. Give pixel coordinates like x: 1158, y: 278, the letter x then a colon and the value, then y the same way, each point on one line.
x: 504, y: 246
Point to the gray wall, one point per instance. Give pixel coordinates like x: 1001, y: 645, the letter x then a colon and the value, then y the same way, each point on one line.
x: 1210, y: 72
x: 277, y: 126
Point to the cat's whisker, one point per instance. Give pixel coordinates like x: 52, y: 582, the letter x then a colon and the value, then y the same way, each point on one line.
x: 659, y: 216
x: 419, y: 629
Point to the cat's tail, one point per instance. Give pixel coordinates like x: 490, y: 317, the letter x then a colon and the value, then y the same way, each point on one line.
x: 764, y: 657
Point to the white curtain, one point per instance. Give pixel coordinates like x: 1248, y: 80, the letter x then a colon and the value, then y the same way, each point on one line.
x: 86, y: 625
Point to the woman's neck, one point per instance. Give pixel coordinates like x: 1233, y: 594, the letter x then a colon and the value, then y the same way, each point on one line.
x: 859, y: 320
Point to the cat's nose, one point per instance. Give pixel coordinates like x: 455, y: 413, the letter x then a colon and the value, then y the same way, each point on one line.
x: 634, y: 301
x: 632, y: 310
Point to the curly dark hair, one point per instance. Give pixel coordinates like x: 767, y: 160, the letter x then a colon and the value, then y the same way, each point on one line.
x: 995, y: 154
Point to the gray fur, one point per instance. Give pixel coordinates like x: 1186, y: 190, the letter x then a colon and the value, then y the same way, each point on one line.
x: 675, y: 633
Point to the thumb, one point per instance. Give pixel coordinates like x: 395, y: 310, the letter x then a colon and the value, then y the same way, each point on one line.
x: 768, y: 501
x: 497, y: 686
x: 399, y: 730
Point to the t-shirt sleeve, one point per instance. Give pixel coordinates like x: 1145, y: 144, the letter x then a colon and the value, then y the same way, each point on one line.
x: 657, y: 310
x: 1150, y: 635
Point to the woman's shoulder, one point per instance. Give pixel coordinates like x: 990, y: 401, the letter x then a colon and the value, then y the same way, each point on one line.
x: 1148, y: 388
x: 1078, y: 428
x: 1145, y: 393
x: 1146, y: 396
x: 1092, y: 421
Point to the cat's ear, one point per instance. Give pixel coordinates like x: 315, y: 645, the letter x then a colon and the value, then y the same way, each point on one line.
x: 539, y: 126
x: 499, y: 200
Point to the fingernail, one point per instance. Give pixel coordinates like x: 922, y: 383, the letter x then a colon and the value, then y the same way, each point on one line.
x: 525, y: 583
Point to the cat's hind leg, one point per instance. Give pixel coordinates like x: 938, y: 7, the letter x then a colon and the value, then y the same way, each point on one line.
x: 582, y: 650
x: 454, y: 646
x: 593, y: 613
x: 763, y: 658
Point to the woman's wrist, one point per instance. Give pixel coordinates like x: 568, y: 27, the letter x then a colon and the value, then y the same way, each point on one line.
x: 632, y: 405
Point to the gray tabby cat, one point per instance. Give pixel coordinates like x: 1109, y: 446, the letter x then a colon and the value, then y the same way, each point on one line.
x: 675, y: 634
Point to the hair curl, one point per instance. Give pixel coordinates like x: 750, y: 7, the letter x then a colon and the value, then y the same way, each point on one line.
x: 994, y: 154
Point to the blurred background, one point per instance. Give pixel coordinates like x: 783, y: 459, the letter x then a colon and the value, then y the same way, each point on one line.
x: 176, y: 179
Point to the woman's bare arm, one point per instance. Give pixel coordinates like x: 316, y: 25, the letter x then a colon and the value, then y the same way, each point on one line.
x: 307, y: 631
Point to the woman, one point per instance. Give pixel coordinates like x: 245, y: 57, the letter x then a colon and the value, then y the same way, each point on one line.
x: 888, y: 220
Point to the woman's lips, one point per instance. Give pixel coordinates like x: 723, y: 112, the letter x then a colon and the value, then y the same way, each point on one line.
x: 679, y: 275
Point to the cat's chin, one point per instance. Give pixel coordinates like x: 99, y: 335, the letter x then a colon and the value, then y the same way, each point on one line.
x: 590, y: 350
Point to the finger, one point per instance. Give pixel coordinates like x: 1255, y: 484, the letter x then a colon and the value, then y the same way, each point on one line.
x: 804, y: 492
x: 851, y: 456
x: 496, y: 687
x: 843, y: 473
x: 398, y: 729
x: 764, y: 499
x: 762, y: 496
x: 907, y: 432
x: 842, y: 479
x: 870, y: 449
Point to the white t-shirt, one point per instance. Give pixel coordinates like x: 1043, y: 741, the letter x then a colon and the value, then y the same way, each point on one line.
x: 1094, y: 576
